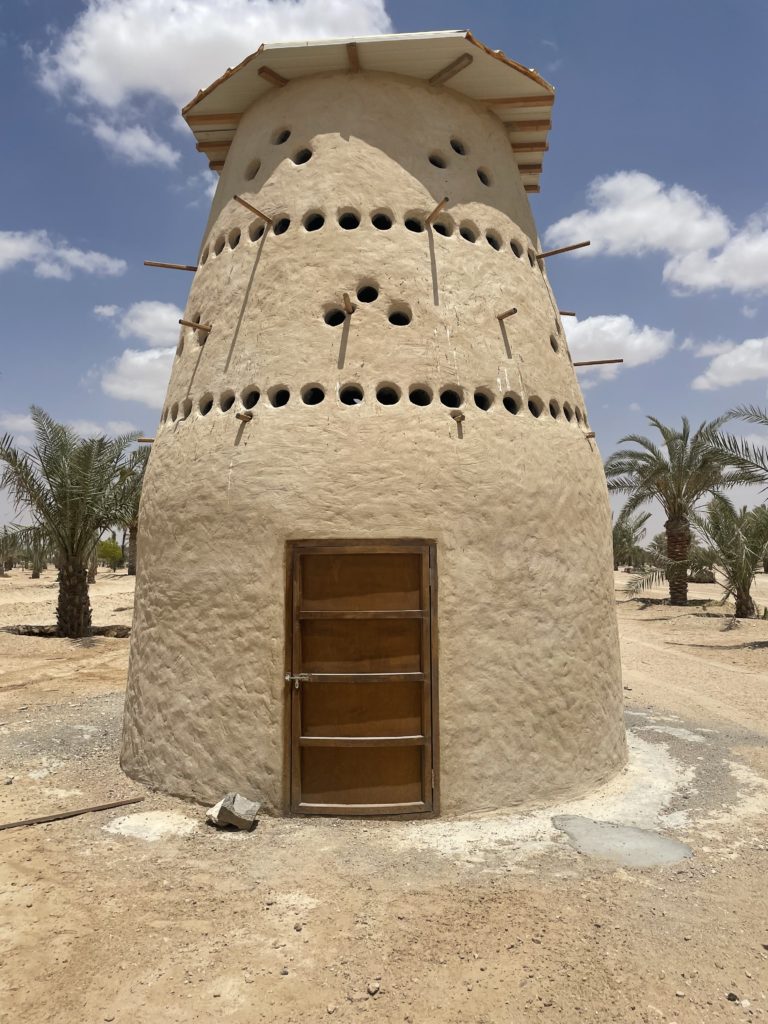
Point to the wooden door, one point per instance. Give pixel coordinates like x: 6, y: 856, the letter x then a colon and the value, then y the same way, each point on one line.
x: 362, y: 677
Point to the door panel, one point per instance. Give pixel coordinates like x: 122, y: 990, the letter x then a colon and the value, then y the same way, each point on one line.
x: 361, y: 674
x: 367, y: 645
x: 351, y: 581
x: 361, y: 775
x: 361, y: 708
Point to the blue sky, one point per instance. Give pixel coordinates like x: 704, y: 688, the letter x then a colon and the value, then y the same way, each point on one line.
x: 662, y: 102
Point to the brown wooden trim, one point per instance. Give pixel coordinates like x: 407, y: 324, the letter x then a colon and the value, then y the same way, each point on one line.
x: 375, y: 547
x: 272, y: 76
x: 253, y: 209
x: 366, y: 677
x: 295, y: 636
x: 527, y: 126
x: 354, y: 810
x: 213, y: 147
x: 405, y: 613
x: 216, y: 165
x: 442, y: 76
x: 194, y: 119
x: 529, y: 168
x: 519, y: 101
x: 363, y: 741
x: 530, y: 147
x: 353, y: 57
x: 427, y: 678
x: 566, y: 312
x: 532, y: 188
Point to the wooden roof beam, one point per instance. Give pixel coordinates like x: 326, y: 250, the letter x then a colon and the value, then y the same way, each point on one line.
x: 201, y: 119
x: 528, y: 126
x: 530, y: 147
x: 529, y: 168
x: 519, y: 101
x: 353, y: 57
x: 532, y: 188
x: 272, y: 76
x: 442, y: 76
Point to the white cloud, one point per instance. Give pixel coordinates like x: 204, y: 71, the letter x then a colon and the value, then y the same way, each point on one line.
x: 155, y: 323
x: 747, y: 361
x: 139, y: 376
x: 87, y: 428
x: 106, y: 311
x: 713, y: 348
x: 54, y: 259
x: 117, y: 54
x: 749, y: 312
x: 632, y: 214
x: 616, y: 337
x: 635, y: 407
x: 16, y: 423
x: 134, y: 144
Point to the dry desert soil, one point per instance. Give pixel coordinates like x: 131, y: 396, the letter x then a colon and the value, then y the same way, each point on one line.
x: 145, y: 914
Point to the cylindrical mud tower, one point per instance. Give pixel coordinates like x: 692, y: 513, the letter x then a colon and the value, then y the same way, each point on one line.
x: 374, y: 556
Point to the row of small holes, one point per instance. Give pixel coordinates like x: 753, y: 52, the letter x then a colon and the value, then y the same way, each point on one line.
x: 386, y: 394
x: 381, y: 219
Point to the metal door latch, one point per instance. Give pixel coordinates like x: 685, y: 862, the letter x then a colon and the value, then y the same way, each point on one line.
x: 302, y: 677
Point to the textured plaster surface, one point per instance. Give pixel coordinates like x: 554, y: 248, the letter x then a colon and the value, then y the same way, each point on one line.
x: 530, y: 684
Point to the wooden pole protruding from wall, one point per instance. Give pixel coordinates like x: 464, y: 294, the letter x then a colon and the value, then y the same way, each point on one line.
x: 438, y: 209
x: 349, y: 306
x: 506, y: 313
x: 253, y: 209
x: 169, y: 266
x: 246, y: 417
x: 273, y: 77
x: 565, y: 248
x: 566, y: 312
x: 451, y: 69
x: 353, y: 57
x: 196, y: 327
x: 598, y: 362
x: 144, y: 440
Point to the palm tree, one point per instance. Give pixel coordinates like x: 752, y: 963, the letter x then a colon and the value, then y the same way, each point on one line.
x: 751, y: 458
x: 134, y: 478
x: 738, y: 540
x: 72, y: 488
x: 8, y: 549
x: 678, y: 474
x: 628, y: 531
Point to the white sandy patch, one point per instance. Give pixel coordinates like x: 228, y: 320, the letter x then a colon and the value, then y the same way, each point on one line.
x: 637, y: 796
x: 152, y: 825
x: 671, y: 730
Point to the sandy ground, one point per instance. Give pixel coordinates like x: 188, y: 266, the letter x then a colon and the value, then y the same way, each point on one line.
x: 146, y: 914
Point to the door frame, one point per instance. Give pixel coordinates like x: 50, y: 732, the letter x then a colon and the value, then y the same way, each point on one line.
x: 293, y: 750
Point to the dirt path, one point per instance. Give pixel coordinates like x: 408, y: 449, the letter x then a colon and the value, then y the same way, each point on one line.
x: 488, y: 919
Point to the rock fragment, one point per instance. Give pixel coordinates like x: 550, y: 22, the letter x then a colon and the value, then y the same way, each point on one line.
x: 234, y: 811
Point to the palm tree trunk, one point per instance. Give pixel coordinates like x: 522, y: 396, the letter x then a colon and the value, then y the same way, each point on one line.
x: 35, y: 573
x: 93, y: 566
x: 678, y: 542
x: 745, y: 606
x: 73, y: 614
x: 765, y: 564
x: 133, y: 537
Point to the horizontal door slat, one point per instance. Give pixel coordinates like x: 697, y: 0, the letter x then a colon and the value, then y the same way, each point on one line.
x: 365, y: 677
x: 414, y: 807
x: 404, y: 613
x: 362, y: 741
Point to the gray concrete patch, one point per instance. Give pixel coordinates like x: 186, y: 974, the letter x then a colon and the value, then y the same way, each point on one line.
x: 623, y: 844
